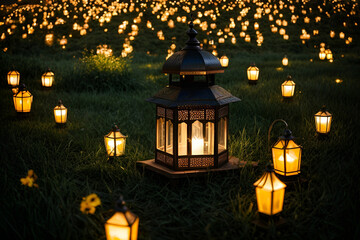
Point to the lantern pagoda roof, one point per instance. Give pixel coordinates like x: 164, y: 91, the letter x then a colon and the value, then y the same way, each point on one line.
x: 174, y: 96
x: 192, y: 59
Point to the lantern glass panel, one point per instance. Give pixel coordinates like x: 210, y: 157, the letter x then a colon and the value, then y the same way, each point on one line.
x: 182, y: 139
x: 169, y: 137
x: 160, y: 134
x: 115, y: 143
x: 323, y: 121
x: 23, y: 101
x: 197, y: 139
x: 209, y: 138
x: 286, y: 157
x: 60, y: 114
x: 222, y: 134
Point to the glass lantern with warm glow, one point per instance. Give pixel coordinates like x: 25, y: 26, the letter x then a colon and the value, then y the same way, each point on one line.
x: 60, y: 113
x: 224, y: 61
x: 192, y: 113
x: 322, y: 55
x: 286, y: 155
x: 47, y: 79
x: 285, y: 61
x: 115, y: 142
x: 123, y: 225
x: 288, y: 88
x: 270, y: 192
x: 13, y: 78
x: 323, y: 121
x: 22, y: 100
x: 253, y: 74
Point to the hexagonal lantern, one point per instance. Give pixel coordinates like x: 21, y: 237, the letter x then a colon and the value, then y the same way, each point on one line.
x: 192, y: 113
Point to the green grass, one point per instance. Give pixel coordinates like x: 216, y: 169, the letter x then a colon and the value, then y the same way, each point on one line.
x: 71, y: 162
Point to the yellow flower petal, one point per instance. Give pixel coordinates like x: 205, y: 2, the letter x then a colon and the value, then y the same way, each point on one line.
x: 93, y: 200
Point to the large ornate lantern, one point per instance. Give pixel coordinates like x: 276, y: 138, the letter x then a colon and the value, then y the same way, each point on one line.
x: 192, y: 113
x: 60, y: 113
x: 323, y: 121
x: 253, y: 74
x: 22, y: 100
x: 13, y: 78
x: 270, y: 192
x: 115, y: 142
x: 47, y: 79
x: 123, y: 225
x: 288, y: 88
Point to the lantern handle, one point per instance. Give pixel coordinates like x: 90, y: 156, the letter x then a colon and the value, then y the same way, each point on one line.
x: 272, y: 125
x: 120, y: 205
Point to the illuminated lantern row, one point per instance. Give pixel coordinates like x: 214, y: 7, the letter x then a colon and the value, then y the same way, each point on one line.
x: 123, y: 225
x: 115, y: 142
x: 47, y: 79
x: 270, y: 192
x: 60, y: 113
x: 13, y: 78
x: 288, y: 88
x: 323, y: 121
x: 286, y: 155
x: 23, y: 100
x: 253, y: 74
x: 192, y: 113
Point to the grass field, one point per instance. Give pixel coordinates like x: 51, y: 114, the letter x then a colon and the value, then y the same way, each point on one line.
x: 71, y: 162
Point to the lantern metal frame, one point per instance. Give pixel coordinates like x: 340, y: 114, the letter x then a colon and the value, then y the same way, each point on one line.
x: 120, y: 207
x: 323, y: 110
x: 189, y: 97
x: 287, y: 137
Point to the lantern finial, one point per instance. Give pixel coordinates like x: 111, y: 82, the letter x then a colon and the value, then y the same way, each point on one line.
x: 120, y: 205
x: 60, y: 102
x: 289, y: 77
x: 192, y: 42
x: 22, y: 87
x: 323, y: 108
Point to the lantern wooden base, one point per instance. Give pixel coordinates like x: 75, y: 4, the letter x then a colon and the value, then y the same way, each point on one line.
x: 233, y: 164
x: 265, y: 222
x: 252, y: 82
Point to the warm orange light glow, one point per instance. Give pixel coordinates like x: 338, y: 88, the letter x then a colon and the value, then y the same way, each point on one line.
x: 285, y: 61
x: 323, y: 121
x: 270, y: 192
x: 13, y: 78
x: 115, y: 142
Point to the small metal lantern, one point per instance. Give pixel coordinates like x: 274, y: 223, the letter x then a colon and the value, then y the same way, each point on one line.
x: 47, y: 79
x: 323, y: 121
x: 22, y: 100
x: 253, y: 74
x: 288, y: 88
x: 115, y: 142
x: 60, y: 113
x: 13, y: 78
x: 224, y: 61
x: 285, y: 61
x: 123, y: 225
x: 270, y: 192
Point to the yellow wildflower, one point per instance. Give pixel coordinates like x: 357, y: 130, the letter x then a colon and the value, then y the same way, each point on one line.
x: 30, y: 179
x: 89, y: 204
